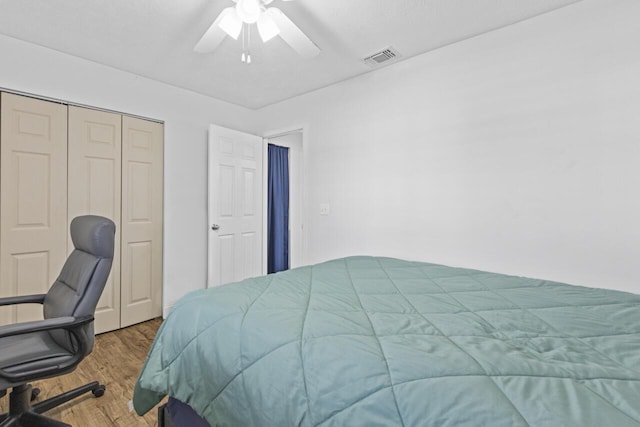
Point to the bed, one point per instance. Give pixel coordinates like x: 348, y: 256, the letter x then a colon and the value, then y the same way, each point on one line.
x: 368, y: 341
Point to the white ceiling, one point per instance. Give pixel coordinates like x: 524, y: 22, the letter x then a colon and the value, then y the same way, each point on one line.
x: 155, y: 38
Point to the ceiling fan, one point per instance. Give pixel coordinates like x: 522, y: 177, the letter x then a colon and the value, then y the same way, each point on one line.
x: 270, y: 21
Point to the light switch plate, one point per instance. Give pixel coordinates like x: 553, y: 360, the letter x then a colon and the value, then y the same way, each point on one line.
x: 325, y: 209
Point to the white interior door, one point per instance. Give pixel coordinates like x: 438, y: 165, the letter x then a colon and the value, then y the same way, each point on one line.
x: 235, y: 206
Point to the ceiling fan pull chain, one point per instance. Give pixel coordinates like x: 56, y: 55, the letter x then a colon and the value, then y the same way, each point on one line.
x: 248, y: 44
x: 243, y: 57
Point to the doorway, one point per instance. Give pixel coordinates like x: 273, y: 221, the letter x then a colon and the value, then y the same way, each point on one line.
x: 293, y: 141
x: 277, y: 208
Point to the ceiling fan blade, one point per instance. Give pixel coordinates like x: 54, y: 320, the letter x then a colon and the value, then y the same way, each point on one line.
x: 267, y: 27
x: 214, y: 35
x: 292, y: 35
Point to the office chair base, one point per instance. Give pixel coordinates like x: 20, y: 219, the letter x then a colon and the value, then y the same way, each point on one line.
x: 22, y: 413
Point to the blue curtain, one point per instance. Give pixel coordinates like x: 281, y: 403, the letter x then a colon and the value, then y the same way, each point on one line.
x: 278, y: 210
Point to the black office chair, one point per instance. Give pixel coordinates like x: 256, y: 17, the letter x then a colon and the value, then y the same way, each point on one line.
x: 54, y: 346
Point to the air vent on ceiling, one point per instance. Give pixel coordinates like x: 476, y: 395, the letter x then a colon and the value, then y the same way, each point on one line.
x: 379, y: 58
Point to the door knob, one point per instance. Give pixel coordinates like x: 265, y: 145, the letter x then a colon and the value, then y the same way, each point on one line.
x: 215, y: 227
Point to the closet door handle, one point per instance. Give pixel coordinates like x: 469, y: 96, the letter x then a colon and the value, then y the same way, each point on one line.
x: 215, y: 227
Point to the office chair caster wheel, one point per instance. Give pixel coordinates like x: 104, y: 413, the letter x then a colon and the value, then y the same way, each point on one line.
x: 34, y: 393
x: 99, y: 391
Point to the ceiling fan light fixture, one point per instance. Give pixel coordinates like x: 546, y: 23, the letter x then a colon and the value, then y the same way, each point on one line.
x: 270, y: 21
x: 267, y: 27
x: 230, y: 23
x: 248, y: 10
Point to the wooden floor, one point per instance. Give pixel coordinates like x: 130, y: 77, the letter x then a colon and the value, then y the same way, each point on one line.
x: 116, y: 362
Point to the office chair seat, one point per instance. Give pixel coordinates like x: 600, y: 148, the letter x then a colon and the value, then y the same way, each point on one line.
x: 31, y: 351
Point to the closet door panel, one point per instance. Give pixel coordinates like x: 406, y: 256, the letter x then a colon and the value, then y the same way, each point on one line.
x: 142, y: 194
x: 95, y: 154
x: 33, y: 200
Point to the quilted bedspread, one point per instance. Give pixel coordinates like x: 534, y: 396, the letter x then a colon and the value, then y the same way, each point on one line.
x: 366, y: 341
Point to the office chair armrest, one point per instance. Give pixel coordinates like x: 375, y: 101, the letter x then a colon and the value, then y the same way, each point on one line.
x: 23, y: 299
x: 66, y: 322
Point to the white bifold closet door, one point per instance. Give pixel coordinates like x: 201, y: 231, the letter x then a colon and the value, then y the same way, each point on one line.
x: 115, y: 170
x: 142, y: 158
x: 95, y: 146
x: 59, y: 162
x: 33, y: 200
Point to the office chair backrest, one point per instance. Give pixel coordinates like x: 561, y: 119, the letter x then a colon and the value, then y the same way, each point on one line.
x: 78, y: 288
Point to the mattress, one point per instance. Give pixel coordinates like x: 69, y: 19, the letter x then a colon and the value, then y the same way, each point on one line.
x: 384, y: 342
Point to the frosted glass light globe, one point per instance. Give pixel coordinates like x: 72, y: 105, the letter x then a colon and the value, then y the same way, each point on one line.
x: 248, y: 10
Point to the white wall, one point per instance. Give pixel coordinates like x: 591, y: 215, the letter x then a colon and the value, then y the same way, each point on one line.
x: 30, y: 68
x: 517, y: 151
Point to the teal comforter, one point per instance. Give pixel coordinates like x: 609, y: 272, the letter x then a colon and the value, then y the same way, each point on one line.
x: 368, y: 341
